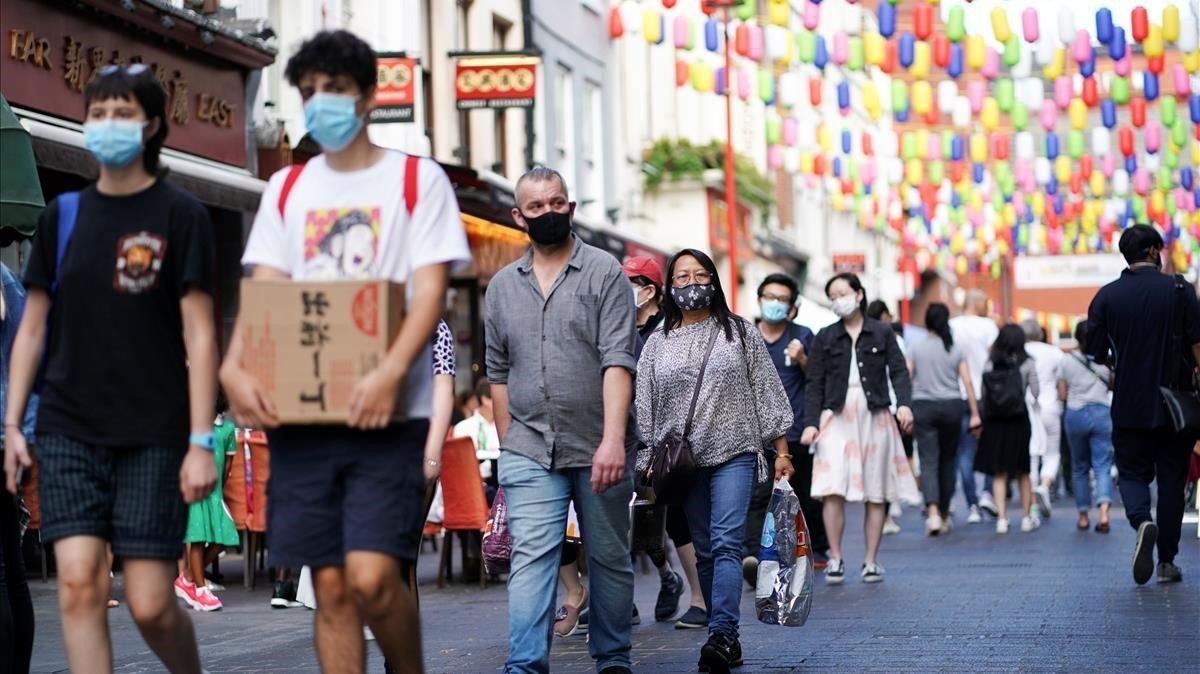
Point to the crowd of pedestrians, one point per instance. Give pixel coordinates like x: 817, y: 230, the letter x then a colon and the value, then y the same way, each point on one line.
x: 592, y: 369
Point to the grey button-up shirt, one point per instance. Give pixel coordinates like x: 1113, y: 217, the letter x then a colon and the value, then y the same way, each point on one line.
x: 552, y: 352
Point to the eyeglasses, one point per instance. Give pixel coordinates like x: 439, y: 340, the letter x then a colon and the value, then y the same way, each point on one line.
x: 786, y: 299
x: 684, y: 278
x: 133, y: 69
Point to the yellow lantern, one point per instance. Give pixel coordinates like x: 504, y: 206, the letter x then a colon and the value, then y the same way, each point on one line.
x: 1170, y: 23
x: 874, y: 48
x: 979, y: 148
x: 921, y: 58
x: 824, y: 137
x: 1191, y: 62
x: 1153, y: 44
x: 806, y: 163
x: 1009, y: 214
x: 1054, y: 69
x: 1097, y: 183
x: 1077, y: 112
x: 651, y: 26
x: 975, y: 201
x: 777, y: 12
x: 976, y: 52
x: 914, y: 171
x: 871, y: 101
x: 960, y: 265
x: 1038, y: 203
x: 837, y: 200
x: 1196, y: 152
x: 922, y: 97
x: 1157, y: 201
x: 1000, y: 25
x: 989, y: 114
x: 1002, y: 247
x: 1062, y: 169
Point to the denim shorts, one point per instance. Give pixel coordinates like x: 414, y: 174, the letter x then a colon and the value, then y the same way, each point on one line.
x: 333, y: 490
x: 128, y: 496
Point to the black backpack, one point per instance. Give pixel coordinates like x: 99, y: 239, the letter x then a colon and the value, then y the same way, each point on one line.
x: 1003, y: 393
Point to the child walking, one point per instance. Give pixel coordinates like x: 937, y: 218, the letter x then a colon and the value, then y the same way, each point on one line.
x: 210, y: 527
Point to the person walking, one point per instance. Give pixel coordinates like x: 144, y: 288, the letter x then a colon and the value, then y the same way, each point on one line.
x: 119, y: 319
x: 859, y: 455
x: 1046, y: 463
x: 1009, y: 376
x: 938, y: 367
x: 740, y: 406
x: 974, y: 332
x: 369, y: 471
x: 1088, y: 423
x: 560, y: 342
x: 1146, y: 325
x: 788, y: 344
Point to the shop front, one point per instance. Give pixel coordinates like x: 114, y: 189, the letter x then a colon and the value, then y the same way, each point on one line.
x: 52, y: 50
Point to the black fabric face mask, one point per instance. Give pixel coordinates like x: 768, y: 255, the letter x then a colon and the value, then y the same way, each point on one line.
x: 550, y: 228
x: 694, y: 297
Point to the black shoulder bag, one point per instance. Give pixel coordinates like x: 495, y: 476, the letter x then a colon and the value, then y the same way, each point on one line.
x: 1183, y: 405
x: 672, y: 463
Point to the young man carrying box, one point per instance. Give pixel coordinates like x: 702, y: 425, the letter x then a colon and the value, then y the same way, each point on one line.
x: 346, y: 499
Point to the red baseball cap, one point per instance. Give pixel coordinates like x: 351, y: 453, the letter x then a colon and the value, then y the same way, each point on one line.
x: 644, y: 265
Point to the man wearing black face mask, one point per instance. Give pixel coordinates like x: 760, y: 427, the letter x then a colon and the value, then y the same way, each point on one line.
x: 560, y: 344
x: 1146, y: 324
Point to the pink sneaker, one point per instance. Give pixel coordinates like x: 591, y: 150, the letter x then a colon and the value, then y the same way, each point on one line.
x: 206, y: 600
x: 199, y: 599
x: 185, y: 589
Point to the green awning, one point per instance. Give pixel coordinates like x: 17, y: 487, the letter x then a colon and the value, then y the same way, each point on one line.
x: 20, y: 191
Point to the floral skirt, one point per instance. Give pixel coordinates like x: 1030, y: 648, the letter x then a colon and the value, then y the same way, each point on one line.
x: 860, y: 456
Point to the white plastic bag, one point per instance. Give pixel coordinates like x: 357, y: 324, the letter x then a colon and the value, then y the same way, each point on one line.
x: 783, y: 593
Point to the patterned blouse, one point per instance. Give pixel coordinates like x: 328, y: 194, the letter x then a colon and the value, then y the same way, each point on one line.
x: 443, y: 350
x: 742, y: 403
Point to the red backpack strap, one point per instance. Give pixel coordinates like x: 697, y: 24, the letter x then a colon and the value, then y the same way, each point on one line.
x: 288, y: 183
x: 410, y: 183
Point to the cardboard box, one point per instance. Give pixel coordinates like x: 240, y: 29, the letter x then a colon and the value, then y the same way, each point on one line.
x: 309, y: 343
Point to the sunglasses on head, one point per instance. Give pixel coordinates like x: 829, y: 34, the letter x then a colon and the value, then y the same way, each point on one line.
x: 133, y: 69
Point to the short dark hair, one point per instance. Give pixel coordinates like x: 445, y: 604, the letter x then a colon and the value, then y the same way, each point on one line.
x: 1081, y: 329
x: 876, y: 309
x: 334, y: 52
x: 782, y: 280
x: 541, y: 174
x: 855, y: 285
x: 483, y: 389
x: 1136, y: 242
x: 646, y: 281
x: 144, y: 88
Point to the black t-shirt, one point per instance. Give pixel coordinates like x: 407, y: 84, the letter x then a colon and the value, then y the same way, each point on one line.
x: 116, y: 374
x: 793, y: 376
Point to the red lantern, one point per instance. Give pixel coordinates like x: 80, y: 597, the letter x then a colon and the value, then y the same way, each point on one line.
x: 868, y: 146
x: 1125, y: 140
x: 958, y: 171
x: 1137, y: 111
x: 1051, y: 218
x: 707, y: 7
x: 814, y: 91
x: 819, y: 165
x: 941, y: 50
x: 1076, y: 183
x: 682, y: 73
x: 890, y: 57
x: 1091, y: 95
x: 741, y: 40
x: 669, y: 4
x: 1155, y: 64
x: 615, y: 28
x: 923, y: 20
x: 1086, y: 165
x: 847, y: 186
x: 931, y: 115
x: 1000, y: 146
x: 1141, y: 23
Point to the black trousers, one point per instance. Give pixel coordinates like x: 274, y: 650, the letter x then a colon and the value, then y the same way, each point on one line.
x: 801, y: 482
x: 1153, y: 455
x: 938, y: 427
x: 16, y: 606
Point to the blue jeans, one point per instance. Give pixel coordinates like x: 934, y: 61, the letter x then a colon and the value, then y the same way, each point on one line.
x: 537, y: 516
x: 716, y: 510
x: 967, y: 445
x: 1089, y: 433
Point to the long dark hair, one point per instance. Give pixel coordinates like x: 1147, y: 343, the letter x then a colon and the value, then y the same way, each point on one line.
x: 673, y: 315
x: 937, y: 321
x: 146, y: 90
x: 1009, y: 347
x: 855, y: 285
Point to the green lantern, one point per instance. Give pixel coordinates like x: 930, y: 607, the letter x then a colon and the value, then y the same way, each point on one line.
x: 908, y: 149
x: 1075, y: 143
x: 856, y: 59
x: 1167, y: 111
x: 955, y: 25
x: 1005, y: 94
x: 899, y: 96
x: 773, y: 130
x: 806, y: 45
x: 1012, y: 52
x: 1020, y: 116
x: 1120, y: 90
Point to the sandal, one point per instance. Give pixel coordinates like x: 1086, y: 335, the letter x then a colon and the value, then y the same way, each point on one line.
x: 1083, y: 524
x: 566, y: 620
x: 113, y: 603
x: 1102, y: 528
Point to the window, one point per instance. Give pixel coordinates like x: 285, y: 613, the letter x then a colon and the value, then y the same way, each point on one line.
x: 564, y: 124
x: 500, y: 138
x: 592, y: 152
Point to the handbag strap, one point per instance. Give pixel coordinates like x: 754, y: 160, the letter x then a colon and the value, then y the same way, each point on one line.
x: 1084, y: 362
x: 687, y: 427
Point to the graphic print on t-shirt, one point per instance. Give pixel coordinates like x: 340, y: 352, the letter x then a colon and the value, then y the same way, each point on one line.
x: 139, y: 260
x: 341, y: 242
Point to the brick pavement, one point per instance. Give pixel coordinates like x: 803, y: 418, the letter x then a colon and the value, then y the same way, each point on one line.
x: 1053, y: 600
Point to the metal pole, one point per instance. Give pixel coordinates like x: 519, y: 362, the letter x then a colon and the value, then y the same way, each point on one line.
x: 730, y: 182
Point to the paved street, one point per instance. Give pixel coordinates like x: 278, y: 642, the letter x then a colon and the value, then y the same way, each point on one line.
x: 1053, y: 600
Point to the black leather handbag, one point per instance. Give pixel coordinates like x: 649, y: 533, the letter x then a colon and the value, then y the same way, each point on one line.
x: 672, y: 463
x: 1182, y: 404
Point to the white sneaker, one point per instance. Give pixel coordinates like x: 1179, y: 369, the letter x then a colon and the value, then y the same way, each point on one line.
x: 1043, y: 500
x: 894, y: 510
x: 947, y: 525
x: 987, y: 504
x: 835, y: 572
x: 1030, y: 523
x: 933, y: 525
x: 974, y: 517
x: 890, y: 527
x: 1002, y: 526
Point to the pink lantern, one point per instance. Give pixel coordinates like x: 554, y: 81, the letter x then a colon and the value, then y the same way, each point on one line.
x: 812, y: 15
x: 755, y: 52
x: 1153, y: 136
x: 1108, y: 164
x: 933, y: 150
x: 1049, y: 115
x: 1183, y: 86
x: 1081, y: 50
x: 1181, y: 198
x: 1029, y: 22
x: 681, y: 31
x: 841, y: 48
x: 1124, y: 65
x: 789, y: 131
x: 1062, y: 92
x: 743, y: 83
x: 976, y: 90
x: 774, y: 157
x: 1141, y: 182
x: 991, y: 64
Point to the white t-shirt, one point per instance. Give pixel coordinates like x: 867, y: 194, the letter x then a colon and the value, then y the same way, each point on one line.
x: 1048, y: 359
x: 485, y: 437
x: 974, y: 335
x: 354, y: 225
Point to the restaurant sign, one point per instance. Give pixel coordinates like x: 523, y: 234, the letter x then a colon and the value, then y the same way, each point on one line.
x: 496, y: 82
x: 51, y: 55
x: 394, y: 89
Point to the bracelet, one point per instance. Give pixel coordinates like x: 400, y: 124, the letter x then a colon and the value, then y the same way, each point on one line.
x: 433, y: 462
x: 202, y: 440
x: 783, y: 456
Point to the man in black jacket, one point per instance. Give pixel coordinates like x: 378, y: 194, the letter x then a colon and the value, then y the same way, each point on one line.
x: 1146, y: 324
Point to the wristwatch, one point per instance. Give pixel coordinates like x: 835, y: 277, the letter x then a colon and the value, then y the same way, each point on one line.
x: 204, y: 440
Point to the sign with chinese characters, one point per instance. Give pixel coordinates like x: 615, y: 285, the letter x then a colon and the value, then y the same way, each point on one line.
x: 1066, y: 271
x: 51, y: 53
x: 849, y: 263
x: 496, y: 82
x: 309, y: 344
x: 394, y: 89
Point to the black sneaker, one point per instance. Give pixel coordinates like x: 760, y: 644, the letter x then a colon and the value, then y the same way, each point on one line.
x: 668, y: 598
x: 750, y: 571
x: 281, y: 598
x: 1143, y: 552
x: 694, y: 619
x: 635, y: 619
x: 720, y: 653
x: 1169, y: 573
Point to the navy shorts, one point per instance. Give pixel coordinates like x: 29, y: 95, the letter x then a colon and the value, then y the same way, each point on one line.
x: 128, y: 496
x: 333, y: 489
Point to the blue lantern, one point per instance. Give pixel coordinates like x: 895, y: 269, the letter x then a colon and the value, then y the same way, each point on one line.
x: 887, y: 19
x: 1149, y: 85
x: 1108, y: 113
x: 955, y: 67
x: 907, y: 45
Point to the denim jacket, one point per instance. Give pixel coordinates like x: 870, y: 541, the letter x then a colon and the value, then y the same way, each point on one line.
x: 14, y: 306
x: 879, y: 358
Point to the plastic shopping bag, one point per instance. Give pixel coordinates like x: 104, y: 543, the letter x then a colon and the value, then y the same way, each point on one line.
x: 497, y: 539
x: 783, y: 594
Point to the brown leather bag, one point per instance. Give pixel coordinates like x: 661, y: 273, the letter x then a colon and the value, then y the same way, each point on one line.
x: 672, y: 463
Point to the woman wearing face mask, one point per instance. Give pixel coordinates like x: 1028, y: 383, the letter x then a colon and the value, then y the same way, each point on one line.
x: 120, y: 286
x: 858, y: 452
x: 740, y: 407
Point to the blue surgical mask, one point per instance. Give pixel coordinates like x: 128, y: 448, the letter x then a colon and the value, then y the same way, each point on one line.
x: 332, y: 120
x: 774, y: 311
x: 114, y: 142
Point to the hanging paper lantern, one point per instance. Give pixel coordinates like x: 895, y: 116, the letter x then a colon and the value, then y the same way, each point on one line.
x: 820, y: 53
x: 680, y: 29
x: 922, y: 97
x: 743, y: 83
x: 1081, y: 50
x: 1054, y: 69
x: 1075, y: 143
x: 703, y: 79
x: 1051, y: 146
x: 923, y: 21
x: 741, y: 39
x: 887, y: 19
x: 669, y: 4
x: 841, y: 48
x: 1104, y: 25
x: 920, y: 64
x: 855, y: 60
x: 1029, y: 24
x: 1167, y: 111
x: 1119, y: 90
x: 1178, y: 134
x: 745, y: 9
x: 1000, y: 146
x: 976, y: 90
x: 1090, y: 94
x: 1108, y: 113
x: 815, y: 84
x: 806, y: 45
x: 1048, y: 115
x: 1025, y: 146
x: 890, y: 58
x: 955, y: 67
x: 843, y: 96
x: 1116, y: 47
x: 777, y: 13
x: 1012, y: 52
x: 978, y: 148
x: 712, y: 40
x: 957, y: 150
x: 1062, y: 92
x: 615, y: 28
x: 1004, y: 94
x: 1179, y: 78
x: 682, y: 73
x: 955, y: 24
x: 1153, y: 137
x: 766, y: 86
x: 755, y: 48
x: 1066, y: 24
x: 976, y: 52
x: 789, y: 131
x: 652, y: 26
x: 1000, y: 27
x: 1194, y: 112
x: 1019, y: 116
x: 1141, y: 23
x: 811, y: 15
x: 1149, y: 86
x: 722, y: 82
x: 873, y: 47
x: 907, y: 49
x: 960, y: 116
x: 941, y: 50
x: 1152, y: 46
x: 1137, y: 112
x: 1189, y: 34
